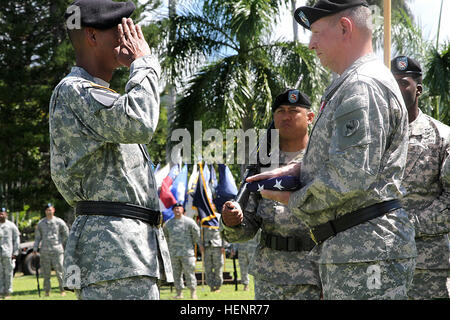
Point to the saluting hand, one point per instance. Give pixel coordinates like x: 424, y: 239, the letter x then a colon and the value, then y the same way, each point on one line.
x: 132, y: 42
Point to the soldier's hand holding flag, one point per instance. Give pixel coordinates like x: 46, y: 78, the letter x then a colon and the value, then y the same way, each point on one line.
x: 274, y: 185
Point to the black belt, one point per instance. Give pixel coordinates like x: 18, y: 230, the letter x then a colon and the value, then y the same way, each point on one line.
x: 280, y: 243
x: 329, y: 229
x: 119, y: 209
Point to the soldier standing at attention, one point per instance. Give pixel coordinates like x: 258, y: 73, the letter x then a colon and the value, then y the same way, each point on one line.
x: 245, y: 251
x: 51, y: 233
x: 354, y: 163
x: 99, y: 162
x: 285, y: 240
x: 9, y: 249
x: 427, y: 197
x: 182, y: 233
x: 213, y: 249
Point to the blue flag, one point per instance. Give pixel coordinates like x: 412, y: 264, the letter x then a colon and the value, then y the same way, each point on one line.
x: 203, y: 202
x: 212, y: 181
x: 226, y: 188
x: 179, y: 185
x: 284, y: 183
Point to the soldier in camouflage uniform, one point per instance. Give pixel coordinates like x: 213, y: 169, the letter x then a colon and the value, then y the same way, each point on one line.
x: 245, y: 251
x: 213, y: 249
x: 281, y: 273
x: 427, y: 197
x: 182, y: 233
x: 51, y: 233
x: 354, y: 163
x: 99, y: 162
x: 9, y: 249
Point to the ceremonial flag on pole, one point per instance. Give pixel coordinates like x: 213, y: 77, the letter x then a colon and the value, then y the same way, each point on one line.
x: 193, y: 180
x: 161, y: 174
x: 166, y: 196
x: 179, y: 185
x: 226, y: 188
x: 191, y: 211
x: 203, y: 202
x: 212, y: 181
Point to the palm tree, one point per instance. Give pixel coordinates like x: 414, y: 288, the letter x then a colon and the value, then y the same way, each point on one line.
x: 243, y: 70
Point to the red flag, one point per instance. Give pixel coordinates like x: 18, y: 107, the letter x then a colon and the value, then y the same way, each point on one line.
x: 166, y: 196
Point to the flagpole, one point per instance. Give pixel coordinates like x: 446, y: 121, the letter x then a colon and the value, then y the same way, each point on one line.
x: 387, y: 32
x: 203, y: 259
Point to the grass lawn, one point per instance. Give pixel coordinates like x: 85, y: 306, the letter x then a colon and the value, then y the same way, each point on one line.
x: 25, y: 288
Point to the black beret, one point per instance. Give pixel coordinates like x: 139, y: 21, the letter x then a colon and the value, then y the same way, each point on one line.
x: 101, y: 14
x: 178, y: 204
x: 306, y: 16
x: 291, y: 97
x: 404, y: 64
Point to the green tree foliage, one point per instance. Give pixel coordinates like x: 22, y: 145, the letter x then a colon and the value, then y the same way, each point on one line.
x: 240, y: 69
x: 33, y: 56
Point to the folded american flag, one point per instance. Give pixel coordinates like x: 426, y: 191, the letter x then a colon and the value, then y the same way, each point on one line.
x: 284, y: 183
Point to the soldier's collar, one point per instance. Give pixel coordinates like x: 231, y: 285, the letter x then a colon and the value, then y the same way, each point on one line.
x: 418, y: 126
x: 86, y: 75
x: 101, y: 82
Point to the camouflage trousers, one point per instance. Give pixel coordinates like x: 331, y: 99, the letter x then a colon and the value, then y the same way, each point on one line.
x: 186, y: 266
x: 244, y: 258
x: 384, y: 280
x: 49, y: 260
x: 213, y: 262
x: 133, y: 288
x: 430, y: 284
x: 6, y: 275
x: 265, y: 290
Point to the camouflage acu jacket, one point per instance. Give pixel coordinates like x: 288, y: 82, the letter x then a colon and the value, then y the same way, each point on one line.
x: 427, y: 196
x: 51, y: 235
x: 97, y: 152
x: 212, y: 237
x: 356, y: 157
x: 182, y: 235
x: 9, y: 239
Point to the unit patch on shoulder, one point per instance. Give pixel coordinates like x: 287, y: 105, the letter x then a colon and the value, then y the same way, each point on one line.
x: 104, y: 95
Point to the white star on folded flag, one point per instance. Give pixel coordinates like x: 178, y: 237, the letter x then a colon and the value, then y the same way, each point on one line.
x: 278, y: 185
x: 284, y: 183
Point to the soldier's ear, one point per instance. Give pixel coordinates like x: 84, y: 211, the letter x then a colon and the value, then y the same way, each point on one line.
x: 310, y: 117
x: 419, y: 89
x: 90, y: 34
x: 346, y: 26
